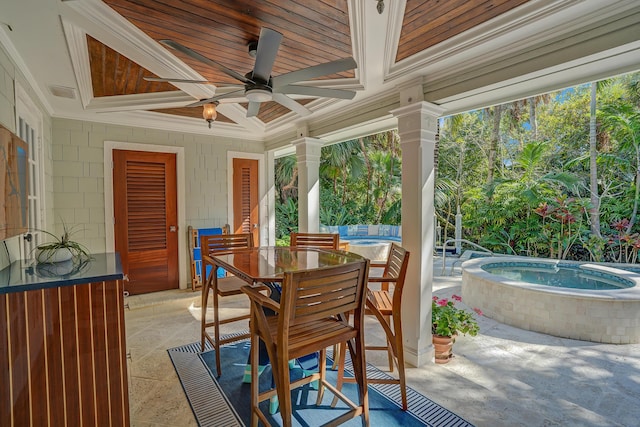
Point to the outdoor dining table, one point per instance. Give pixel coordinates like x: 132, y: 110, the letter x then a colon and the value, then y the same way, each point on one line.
x: 268, y: 264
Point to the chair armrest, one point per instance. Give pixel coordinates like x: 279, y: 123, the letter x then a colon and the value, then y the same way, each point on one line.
x: 377, y: 265
x: 382, y: 279
x: 259, y: 298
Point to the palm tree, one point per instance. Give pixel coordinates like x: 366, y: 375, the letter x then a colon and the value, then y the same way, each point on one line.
x: 339, y: 162
x: 594, y: 212
x: 495, y: 114
x: 623, y: 122
x: 286, y: 177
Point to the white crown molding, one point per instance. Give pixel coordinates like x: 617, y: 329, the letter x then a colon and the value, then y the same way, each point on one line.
x: 22, y: 66
x: 356, y: 28
x: 77, y: 45
x: 140, y: 101
x: 395, y: 21
x: 168, y: 122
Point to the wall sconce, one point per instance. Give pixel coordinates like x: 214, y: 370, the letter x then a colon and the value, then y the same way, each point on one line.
x: 209, y: 112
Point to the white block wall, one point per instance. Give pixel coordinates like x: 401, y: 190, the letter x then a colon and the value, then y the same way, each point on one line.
x: 9, y: 76
x: 78, y: 174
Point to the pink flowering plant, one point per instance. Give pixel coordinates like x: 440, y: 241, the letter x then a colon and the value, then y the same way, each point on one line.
x: 448, y: 320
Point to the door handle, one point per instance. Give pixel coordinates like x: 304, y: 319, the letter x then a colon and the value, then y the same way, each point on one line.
x: 255, y: 226
x: 173, y: 228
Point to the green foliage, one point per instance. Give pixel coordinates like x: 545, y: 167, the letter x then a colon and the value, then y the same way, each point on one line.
x: 360, y: 183
x: 537, y: 202
x: 286, y: 218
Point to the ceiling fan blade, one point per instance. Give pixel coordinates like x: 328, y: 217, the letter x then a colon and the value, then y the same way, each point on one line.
x: 315, y: 71
x: 268, y: 45
x: 291, y: 104
x: 253, y: 109
x: 216, y: 98
x: 160, y: 79
x: 317, y: 91
x: 195, y: 55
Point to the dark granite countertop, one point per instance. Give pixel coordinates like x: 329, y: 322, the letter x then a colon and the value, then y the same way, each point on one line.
x: 20, y: 276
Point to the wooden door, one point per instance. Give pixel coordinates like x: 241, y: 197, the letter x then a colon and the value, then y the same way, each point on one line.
x: 246, y: 212
x: 146, y: 219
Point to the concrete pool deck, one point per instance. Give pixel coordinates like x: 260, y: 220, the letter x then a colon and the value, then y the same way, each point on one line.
x: 503, y: 377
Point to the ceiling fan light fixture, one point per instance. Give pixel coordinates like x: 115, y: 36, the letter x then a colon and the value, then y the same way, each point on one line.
x: 252, y: 47
x: 258, y: 95
x: 209, y: 112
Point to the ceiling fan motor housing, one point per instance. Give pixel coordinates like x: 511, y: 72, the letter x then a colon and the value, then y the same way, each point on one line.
x: 258, y: 91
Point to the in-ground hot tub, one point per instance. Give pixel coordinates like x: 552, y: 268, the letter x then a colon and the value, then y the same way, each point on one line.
x: 591, y: 302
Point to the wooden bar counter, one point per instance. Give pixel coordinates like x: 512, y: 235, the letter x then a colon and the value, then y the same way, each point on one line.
x: 62, y: 345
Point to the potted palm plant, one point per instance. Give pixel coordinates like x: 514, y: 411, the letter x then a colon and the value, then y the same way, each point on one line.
x: 447, y: 322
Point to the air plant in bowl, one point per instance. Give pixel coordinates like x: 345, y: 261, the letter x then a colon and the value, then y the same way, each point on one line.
x: 61, y: 249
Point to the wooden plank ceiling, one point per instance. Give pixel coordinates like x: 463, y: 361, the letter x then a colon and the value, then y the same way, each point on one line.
x: 314, y: 32
x: 427, y: 23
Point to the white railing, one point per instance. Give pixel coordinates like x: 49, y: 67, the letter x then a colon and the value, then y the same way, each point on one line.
x: 458, y: 244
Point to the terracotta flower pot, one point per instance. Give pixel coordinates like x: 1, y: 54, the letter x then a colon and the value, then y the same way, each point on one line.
x: 443, y: 348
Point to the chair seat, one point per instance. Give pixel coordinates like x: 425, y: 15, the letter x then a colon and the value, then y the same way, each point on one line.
x: 331, y: 330
x: 382, y: 301
x: 230, y: 286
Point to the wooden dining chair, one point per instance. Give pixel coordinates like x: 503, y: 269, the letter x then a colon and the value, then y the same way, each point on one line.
x: 386, y: 307
x: 212, y: 245
x: 315, y: 240
x: 310, y: 316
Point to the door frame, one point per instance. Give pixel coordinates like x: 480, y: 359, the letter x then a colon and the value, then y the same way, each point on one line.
x: 109, y: 146
x: 263, y: 216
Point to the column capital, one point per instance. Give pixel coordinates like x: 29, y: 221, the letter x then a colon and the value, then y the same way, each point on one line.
x: 422, y: 107
x: 308, y: 149
x: 307, y: 140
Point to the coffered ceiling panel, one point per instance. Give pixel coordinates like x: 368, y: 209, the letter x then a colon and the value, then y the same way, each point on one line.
x: 427, y: 23
x: 114, y: 74
x: 314, y: 32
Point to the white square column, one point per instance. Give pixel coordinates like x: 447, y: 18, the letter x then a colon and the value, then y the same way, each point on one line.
x: 270, y: 180
x: 308, y: 154
x: 417, y: 127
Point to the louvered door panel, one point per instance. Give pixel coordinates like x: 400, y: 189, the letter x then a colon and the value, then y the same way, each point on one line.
x: 147, y: 214
x: 245, y: 202
x: 245, y: 197
x: 145, y: 204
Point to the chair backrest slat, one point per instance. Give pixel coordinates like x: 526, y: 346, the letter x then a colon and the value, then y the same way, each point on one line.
x: 396, y: 268
x: 221, y: 244
x: 320, y: 293
x: 315, y: 240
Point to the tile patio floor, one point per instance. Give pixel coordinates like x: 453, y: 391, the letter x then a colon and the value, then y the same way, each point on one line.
x: 503, y: 377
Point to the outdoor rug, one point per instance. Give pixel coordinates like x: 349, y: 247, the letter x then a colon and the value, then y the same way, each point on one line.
x: 225, y: 401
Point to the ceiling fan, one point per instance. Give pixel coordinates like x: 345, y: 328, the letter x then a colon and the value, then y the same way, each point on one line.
x: 259, y: 85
